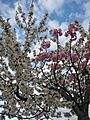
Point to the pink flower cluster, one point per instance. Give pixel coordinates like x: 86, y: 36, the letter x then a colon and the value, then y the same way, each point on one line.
x: 63, y: 54
x: 59, y: 56
x: 42, y: 56
x: 72, y: 28
x: 56, y: 66
x: 74, y: 57
x: 56, y: 32
x: 87, y: 45
x: 82, y: 65
x: 45, y: 44
x: 86, y: 55
x: 54, y: 57
x: 72, y: 77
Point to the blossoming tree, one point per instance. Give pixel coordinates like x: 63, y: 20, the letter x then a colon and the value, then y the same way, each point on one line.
x: 32, y: 87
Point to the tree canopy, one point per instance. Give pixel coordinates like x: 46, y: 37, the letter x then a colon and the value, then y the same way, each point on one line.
x: 36, y: 86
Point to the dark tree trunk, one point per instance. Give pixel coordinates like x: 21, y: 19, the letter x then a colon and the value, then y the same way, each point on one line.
x: 81, y: 113
x: 83, y: 118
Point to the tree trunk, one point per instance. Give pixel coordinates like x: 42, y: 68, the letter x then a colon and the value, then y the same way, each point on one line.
x: 83, y: 117
x: 82, y: 114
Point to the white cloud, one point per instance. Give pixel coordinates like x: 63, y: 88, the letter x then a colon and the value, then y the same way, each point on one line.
x: 85, y: 24
x: 53, y: 24
x: 86, y: 16
x: 38, y: 12
x: 64, y: 26
x: 8, y: 12
x: 51, y: 5
x: 55, y: 5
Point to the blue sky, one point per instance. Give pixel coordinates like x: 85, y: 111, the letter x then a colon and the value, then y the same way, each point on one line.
x: 61, y: 12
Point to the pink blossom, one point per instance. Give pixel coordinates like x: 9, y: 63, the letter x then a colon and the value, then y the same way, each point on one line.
x: 82, y: 65
x: 87, y: 45
x: 66, y: 34
x: 62, y: 54
x: 74, y: 57
x: 45, y: 44
x: 42, y: 56
x: 76, y: 28
x: 72, y: 27
x: 54, y: 57
x: 72, y: 33
x: 86, y: 55
x: 56, y: 66
x: 60, y: 32
x: 59, y: 56
x: 56, y: 32
x: 72, y: 77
